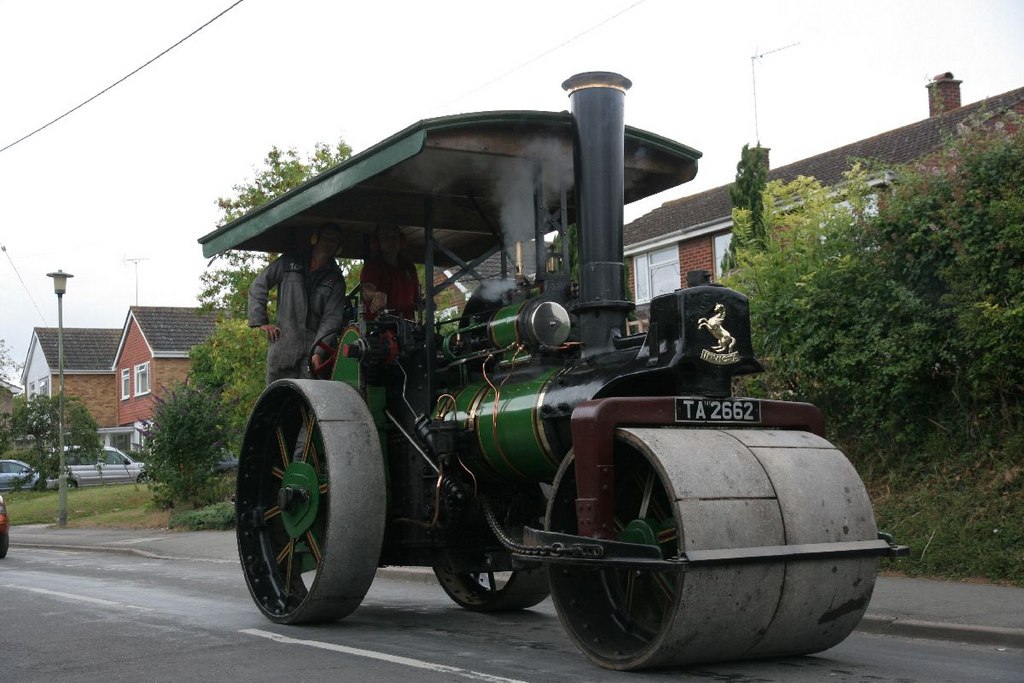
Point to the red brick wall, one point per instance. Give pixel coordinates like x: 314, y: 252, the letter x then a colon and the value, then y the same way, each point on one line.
x: 164, y: 373
x: 696, y: 254
x: 135, y: 351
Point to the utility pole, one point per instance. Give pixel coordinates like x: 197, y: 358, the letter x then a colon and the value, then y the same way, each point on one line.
x: 753, y: 78
x: 136, y: 262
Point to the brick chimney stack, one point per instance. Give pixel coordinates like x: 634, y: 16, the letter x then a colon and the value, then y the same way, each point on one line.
x: 943, y: 94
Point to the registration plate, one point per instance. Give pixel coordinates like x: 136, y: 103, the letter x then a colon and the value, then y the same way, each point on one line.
x: 730, y: 410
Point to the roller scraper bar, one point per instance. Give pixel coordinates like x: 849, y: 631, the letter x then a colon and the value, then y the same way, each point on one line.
x: 559, y: 548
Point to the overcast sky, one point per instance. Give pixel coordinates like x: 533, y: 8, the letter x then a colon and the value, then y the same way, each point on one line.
x: 128, y: 182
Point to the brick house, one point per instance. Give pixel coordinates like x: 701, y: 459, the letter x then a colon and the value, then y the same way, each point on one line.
x: 88, y: 355
x: 151, y: 355
x: 7, y: 393
x: 694, y: 233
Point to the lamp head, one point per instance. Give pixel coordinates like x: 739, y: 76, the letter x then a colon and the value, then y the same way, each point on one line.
x: 60, y: 281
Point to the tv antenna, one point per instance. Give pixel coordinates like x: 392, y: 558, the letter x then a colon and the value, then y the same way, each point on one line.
x: 135, y: 262
x: 753, y: 78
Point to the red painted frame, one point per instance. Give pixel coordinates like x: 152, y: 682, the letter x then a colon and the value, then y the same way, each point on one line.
x: 593, y: 428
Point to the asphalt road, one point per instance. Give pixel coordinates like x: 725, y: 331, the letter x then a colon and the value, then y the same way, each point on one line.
x: 83, y: 615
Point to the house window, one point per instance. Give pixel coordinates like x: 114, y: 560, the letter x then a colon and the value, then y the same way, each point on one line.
x: 126, y: 383
x: 656, y: 272
x: 142, y: 378
x: 722, y: 244
x: 121, y: 441
x: 43, y: 389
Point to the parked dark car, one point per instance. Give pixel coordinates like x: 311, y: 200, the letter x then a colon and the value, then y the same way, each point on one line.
x: 17, y: 474
x: 5, y: 529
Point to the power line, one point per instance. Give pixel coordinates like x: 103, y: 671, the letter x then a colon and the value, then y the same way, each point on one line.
x: 23, y: 285
x: 538, y: 57
x: 122, y: 79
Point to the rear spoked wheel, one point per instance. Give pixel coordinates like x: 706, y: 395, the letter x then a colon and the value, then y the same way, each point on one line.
x: 310, y: 501
x: 494, y: 591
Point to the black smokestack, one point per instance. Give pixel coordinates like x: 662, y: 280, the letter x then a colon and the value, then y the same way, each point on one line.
x: 599, y: 136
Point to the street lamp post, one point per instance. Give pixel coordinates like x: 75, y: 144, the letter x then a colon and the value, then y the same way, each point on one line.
x: 60, y: 285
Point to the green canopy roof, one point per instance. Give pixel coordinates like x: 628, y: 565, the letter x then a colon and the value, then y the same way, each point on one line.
x: 468, y: 175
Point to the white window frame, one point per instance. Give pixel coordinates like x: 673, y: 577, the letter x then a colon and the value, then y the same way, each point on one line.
x: 720, y: 247
x: 43, y: 387
x: 142, y: 379
x: 126, y: 384
x: 648, y: 266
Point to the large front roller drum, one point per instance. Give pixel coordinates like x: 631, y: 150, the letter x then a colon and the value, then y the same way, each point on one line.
x: 310, y: 501
x: 699, y: 489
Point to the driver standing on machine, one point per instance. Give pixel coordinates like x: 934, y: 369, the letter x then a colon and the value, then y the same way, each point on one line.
x: 310, y: 304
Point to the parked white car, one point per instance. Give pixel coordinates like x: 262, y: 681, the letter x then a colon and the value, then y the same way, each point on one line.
x: 113, y: 466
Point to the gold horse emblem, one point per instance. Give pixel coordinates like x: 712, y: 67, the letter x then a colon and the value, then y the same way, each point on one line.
x: 726, y: 342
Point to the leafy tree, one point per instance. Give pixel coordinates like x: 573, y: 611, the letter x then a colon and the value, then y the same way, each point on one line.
x: 6, y: 437
x: 231, y: 363
x: 283, y: 171
x: 39, y: 418
x: 184, y: 443
x: 226, y: 288
x: 811, y: 296
x: 747, y: 195
x: 8, y: 367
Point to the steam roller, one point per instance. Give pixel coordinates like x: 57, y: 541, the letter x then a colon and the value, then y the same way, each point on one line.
x: 536, y: 439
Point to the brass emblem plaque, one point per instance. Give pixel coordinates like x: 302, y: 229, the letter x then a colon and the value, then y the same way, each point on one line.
x: 722, y: 352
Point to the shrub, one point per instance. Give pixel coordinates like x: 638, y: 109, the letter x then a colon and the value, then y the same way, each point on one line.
x: 219, y: 516
x: 185, y: 442
x: 896, y: 313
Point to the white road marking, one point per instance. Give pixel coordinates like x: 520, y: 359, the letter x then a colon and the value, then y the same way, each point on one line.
x: 51, y: 551
x: 382, y: 656
x: 133, y: 541
x: 78, y: 598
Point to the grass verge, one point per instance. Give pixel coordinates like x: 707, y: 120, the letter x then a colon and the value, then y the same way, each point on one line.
x: 956, y: 528
x: 959, y: 506
x: 124, y: 506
